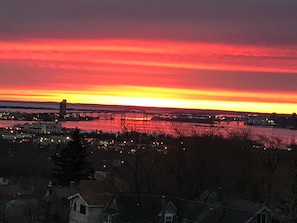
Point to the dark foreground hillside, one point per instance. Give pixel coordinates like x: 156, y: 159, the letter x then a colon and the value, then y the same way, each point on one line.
x: 183, y: 168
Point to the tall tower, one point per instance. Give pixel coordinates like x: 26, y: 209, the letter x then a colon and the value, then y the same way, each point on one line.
x: 63, y: 108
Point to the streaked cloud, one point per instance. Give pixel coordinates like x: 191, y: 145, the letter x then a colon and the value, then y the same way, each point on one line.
x: 232, y: 55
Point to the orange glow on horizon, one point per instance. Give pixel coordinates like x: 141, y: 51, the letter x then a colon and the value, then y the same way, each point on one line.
x: 158, y: 97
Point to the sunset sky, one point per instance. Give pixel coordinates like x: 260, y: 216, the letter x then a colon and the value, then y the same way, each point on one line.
x: 227, y: 55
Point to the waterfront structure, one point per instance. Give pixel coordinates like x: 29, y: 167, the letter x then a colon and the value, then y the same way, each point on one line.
x: 13, y: 137
x: 40, y: 127
x: 260, y: 121
x: 63, y: 108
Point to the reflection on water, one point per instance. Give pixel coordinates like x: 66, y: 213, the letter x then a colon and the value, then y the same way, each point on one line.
x: 132, y: 123
x: 138, y: 121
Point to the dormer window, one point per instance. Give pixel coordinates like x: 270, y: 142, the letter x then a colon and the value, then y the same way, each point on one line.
x: 262, y: 218
x: 82, y: 209
x: 168, y: 218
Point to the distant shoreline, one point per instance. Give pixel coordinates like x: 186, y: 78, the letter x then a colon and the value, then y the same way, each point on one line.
x: 21, y: 107
x: 125, y: 108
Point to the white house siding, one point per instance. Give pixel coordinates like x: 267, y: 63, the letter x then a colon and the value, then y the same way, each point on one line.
x: 93, y: 214
x: 75, y: 216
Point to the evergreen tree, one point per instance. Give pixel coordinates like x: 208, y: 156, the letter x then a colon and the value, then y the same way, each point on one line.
x: 71, y: 163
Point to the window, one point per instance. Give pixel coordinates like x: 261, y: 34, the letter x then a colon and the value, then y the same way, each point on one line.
x: 82, y: 209
x: 109, y: 219
x: 74, y: 206
x: 168, y: 218
x: 261, y: 218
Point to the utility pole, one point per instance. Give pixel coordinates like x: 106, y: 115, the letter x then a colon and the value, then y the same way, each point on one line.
x: 163, y: 209
x: 3, y: 205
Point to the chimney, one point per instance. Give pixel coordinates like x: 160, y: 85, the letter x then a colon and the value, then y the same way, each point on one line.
x: 72, y: 183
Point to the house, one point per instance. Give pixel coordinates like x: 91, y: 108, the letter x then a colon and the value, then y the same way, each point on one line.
x: 209, y: 208
x: 168, y: 214
x: 55, y: 205
x: 88, y: 204
x: 21, y: 210
x: 133, y: 208
x: 4, y: 181
x: 19, y: 198
x: 87, y: 208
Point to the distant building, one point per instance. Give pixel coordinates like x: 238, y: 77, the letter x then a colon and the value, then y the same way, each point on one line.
x: 63, y: 108
x: 14, y: 137
x: 40, y: 127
